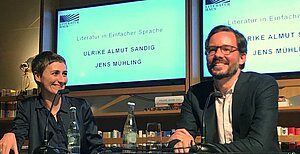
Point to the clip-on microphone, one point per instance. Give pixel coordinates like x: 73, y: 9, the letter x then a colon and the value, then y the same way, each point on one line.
x: 203, y: 146
x: 45, y: 149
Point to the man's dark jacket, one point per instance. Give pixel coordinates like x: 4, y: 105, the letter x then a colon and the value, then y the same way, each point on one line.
x: 254, y: 114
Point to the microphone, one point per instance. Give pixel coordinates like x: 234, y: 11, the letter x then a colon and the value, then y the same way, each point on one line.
x: 212, y: 94
x: 45, y: 149
x: 203, y: 146
x: 206, y: 148
x: 59, y: 92
x: 63, y: 91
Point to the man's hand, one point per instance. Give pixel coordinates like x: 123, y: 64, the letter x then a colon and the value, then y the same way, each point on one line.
x: 7, y: 143
x: 186, y: 141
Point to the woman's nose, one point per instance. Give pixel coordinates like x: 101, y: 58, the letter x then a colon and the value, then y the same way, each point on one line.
x: 62, y: 78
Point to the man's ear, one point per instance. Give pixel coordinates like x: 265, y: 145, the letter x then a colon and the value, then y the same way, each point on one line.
x: 242, y: 59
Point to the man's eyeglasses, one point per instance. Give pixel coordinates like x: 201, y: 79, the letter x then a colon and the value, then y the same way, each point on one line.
x: 225, y: 49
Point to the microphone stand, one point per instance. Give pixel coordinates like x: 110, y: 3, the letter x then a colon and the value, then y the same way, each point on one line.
x: 44, y: 148
x: 214, y: 94
x: 206, y: 147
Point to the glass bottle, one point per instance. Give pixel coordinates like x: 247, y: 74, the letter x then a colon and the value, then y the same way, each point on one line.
x: 130, y: 131
x: 73, y: 133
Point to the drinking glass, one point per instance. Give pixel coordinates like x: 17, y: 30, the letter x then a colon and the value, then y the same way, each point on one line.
x: 154, y: 137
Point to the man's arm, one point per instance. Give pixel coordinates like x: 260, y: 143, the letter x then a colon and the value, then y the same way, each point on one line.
x: 190, y: 114
x: 261, y: 135
x: 186, y: 125
x: 185, y: 141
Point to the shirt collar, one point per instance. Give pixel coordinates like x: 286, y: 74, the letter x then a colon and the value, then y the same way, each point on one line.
x: 64, y: 105
x: 40, y: 103
x: 230, y: 91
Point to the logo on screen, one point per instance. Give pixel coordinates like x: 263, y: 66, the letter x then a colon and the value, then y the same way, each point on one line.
x: 68, y: 20
x: 212, y: 5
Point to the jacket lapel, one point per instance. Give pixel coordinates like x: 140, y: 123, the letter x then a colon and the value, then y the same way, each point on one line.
x: 210, y: 121
x: 238, y: 100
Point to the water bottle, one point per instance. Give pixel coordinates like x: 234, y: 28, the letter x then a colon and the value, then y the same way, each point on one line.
x: 73, y: 133
x: 130, y: 131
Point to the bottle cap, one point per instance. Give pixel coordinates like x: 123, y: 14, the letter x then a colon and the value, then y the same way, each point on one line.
x: 131, y: 103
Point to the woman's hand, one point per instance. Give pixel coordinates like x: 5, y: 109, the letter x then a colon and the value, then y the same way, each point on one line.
x: 7, y: 143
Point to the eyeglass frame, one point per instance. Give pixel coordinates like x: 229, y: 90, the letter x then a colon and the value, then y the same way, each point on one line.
x: 212, y: 52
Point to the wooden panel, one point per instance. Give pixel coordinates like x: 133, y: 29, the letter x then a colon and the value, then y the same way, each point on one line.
x: 289, y: 83
x: 289, y: 87
x: 289, y: 119
x: 112, y: 122
x: 120, y: 141
x: 289, y: 138
x: 13, y: 98
x: 140, y: 90
x: 8, y: 98
x: 289, y: 91
x: 282, y: 138
x: 8, y: 120
x: 139, y: 113
x: 289, y: 109
x: 111, y: 103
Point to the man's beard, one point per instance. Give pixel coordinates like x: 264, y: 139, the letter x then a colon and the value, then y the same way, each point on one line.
x: 233, y: 68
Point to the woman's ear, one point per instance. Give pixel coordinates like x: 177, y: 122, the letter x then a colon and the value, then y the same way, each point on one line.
x: 37, y: 77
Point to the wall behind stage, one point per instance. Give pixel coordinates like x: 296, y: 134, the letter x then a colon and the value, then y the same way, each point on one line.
x: 19, y: 39
x: 142, y: 100
x: 48, y: 37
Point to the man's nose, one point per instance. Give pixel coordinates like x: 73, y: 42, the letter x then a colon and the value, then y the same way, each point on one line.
x: 219, y: 52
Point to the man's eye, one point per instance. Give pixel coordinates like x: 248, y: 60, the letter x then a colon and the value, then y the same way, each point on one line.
x: 213, y: 49
x: 226, y: 49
